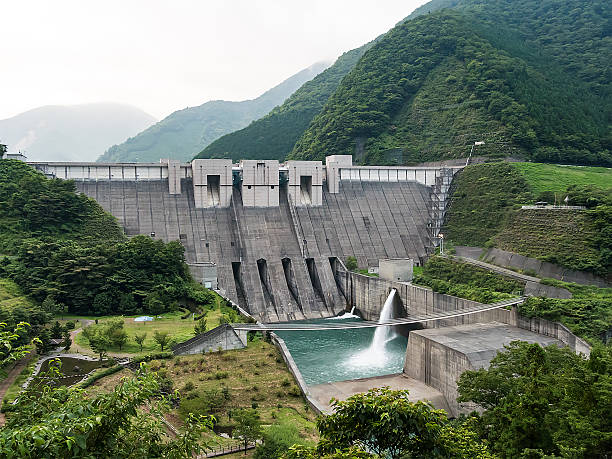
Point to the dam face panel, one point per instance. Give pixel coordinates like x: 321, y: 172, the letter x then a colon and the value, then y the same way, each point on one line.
x: 297, y: 239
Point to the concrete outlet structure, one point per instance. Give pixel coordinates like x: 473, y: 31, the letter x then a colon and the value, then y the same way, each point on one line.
x: 305, y: 183
x: 260, y: 183
x: 212, y: 182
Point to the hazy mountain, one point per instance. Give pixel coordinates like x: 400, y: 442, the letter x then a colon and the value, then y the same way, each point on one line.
x: 71, y: 132
x: 531, y: 78
x: 184, y: 133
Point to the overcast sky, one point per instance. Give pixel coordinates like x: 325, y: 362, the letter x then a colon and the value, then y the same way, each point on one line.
x: 165, y: 55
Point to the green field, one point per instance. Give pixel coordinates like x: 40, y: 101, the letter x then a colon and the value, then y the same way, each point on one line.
x: 171, y: 322
x: 11, y: 295
x: 555, y: 178
x: 253, y: 376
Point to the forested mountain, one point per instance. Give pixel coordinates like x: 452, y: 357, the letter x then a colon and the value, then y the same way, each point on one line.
x: 71, y: 132
x: 273, y: 136
x: 184, y: 133
x: 530, y: 78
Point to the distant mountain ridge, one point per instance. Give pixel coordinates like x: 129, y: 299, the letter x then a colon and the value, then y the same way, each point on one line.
x: 71, y: 132
x: 184, y: 133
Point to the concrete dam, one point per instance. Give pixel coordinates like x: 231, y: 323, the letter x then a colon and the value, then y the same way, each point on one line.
x: 268, y: 235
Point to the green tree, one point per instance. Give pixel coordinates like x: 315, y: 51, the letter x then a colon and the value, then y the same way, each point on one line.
x: 139, y: 338
x: 99, y: 339
x: 56, y: 330
x: 67, y: 342
x: 386, y: 423
x: 547, y: 399
x: 119, y: 337
x: 200, y: 326
x: 43, y: 343
x: 351, y: 263
x: 65, y: 423
x: 49, y: 305
x: 304, y: 452
x: 162, y: 338
x: 248, y: 426
x: 10, y: 350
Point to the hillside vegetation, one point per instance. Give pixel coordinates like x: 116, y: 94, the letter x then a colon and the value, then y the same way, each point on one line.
x: 185, y: 132
x: 273, y: 136
x: 485, y: 211
x: 66, y: 253
x: 527, y: 77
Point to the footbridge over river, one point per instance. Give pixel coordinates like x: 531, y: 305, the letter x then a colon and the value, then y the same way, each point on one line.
x: 411, y: 319
x: 274, y: 232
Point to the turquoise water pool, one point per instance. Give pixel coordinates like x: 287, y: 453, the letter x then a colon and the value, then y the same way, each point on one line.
x: 337, y: 355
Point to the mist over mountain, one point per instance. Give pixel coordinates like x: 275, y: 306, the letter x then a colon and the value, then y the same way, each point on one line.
x: 184, y: 133
x: 273, y: 136
x: 71, y: 132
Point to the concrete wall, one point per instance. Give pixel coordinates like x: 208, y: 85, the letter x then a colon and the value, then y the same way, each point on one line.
x: 368, y: 294
x: 260, y: 187
x: 205, y: 273
x: 102, y: 171
x: 424, y: 175
x: 174, y: 175
x: 397, y: 269
x: 437, y: 366
x: 223, y: 336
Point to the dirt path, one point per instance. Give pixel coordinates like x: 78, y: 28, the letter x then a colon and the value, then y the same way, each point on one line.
x: 12, y: 375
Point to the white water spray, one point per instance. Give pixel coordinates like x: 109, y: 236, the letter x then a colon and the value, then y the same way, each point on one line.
x: 384, y: 334
x: 346, y: 315
x: 375, y: 356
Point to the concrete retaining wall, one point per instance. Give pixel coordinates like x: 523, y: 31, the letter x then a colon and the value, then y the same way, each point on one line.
x: 368, y: 294
x: 437, y: 366
x: 295, y: 371
x: 223, y: 336
x: 541, y: 268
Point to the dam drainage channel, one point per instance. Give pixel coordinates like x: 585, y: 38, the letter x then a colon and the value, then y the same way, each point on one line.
x: 324, y: 356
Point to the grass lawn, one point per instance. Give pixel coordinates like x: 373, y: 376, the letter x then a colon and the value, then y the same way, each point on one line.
x: 254, y: 376
x: 15, y: 388
x: 171, y: 322
x: 11, y: 295
x: 179, y: 329
x: 552, y: 177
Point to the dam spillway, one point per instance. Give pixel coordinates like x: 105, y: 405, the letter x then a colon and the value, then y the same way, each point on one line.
x: 273, y: 241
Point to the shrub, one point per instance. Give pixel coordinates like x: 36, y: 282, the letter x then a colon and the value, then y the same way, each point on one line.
x: 189, y: 386
x: 276, y: 441
x: 99, y: 375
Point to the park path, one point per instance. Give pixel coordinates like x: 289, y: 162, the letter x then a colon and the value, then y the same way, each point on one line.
x: 10, y: 378
x: 75, y: 347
